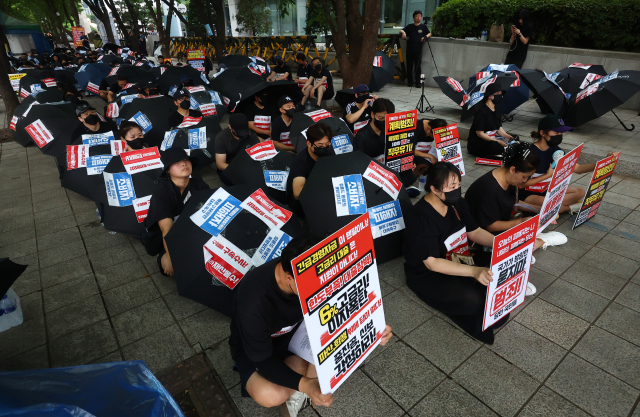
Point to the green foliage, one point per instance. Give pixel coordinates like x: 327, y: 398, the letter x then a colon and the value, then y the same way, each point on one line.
x: 595, y: 24
x: 317, y: 22
x: 253, y: 17
x: 199, y: 13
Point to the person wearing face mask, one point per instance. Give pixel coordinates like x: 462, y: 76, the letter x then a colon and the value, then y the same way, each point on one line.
x: 132, y: 136
x: 148, y: 89
x: 91, y: 123
x: 319, y: 85
x: 232, y: 140
x: 116, y: 87
x: 370, y: 139
x: 259, y: 115
x: 282, y: 124
x: 487, y: 138
x: 181, y: 99
x: 304, y: 68
x: 358, y: 112
x: 281, y: 72
x: 492, y: 200
x: 438, y: 265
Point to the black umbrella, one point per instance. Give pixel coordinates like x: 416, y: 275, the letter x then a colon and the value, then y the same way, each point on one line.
x: 207, y: 101
x: 245, y: 170
x: 383, y: 71
x: 112, y: 60
x: 548, y: 94
x: 505, y: 80
x: 577, y: 77
x: 92, y: 73
x: 344, y: 97
x: 134, y: 74
x: 156, y: 111
x: 234, y: 83
x: 317, y: 199
x: 245, y: 231
x: 602, y: 96
x: 53, y: 96
x: 235, y: 60
x: 48, y: 126
x: 180, y: 138
x: 9, y: 273
x: 171, y: 78
x: 43, y: 80
x: 302, y: 121
x: 274, y: 91
x: 452, y: 89
x: 111, y: 47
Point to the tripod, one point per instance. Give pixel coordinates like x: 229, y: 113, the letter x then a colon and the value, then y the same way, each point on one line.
x: 423, y: 99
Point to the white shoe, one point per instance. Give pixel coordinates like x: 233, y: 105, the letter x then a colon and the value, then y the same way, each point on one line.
x: 552, y: 239
x: 533, y: 260
x: 531, y: 289
x: 575, y: 208
x: 294, y: 404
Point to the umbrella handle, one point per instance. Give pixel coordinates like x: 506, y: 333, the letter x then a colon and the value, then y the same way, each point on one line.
x: 508, y: 118
x: 622, y: 123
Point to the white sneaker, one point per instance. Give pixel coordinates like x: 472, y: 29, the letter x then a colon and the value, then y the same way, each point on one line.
x: 531, y: 289
x: 294, y: 404
x: 552, y: 239
x: 575, y: 208
x: 533, y: 260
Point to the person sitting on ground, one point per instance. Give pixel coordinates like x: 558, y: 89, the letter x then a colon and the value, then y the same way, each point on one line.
x: 281, y: 72
x: 358, y: 112
x: 487, y: 138
x: 232, y: 140
x: 175, y: 187
x: 147, y: 89
x: 116, y: 87
x: 266, y: 314
x: 132, y: 135
x: 492, y: 200
x: 34, y: 57
x: 185, y: 81
x: 548, y: 138
x: 70, y: 93
x: 91, y: 123
x: 304, y: 68
x: 259, y: 115
x: 436, y: 252
x: 281, y: 125
x: 425, y: 151
x: 323, y: 88
x: 181, y: 99
x: 370, y: 138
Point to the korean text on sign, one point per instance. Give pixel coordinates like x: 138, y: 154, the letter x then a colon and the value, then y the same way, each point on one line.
x: 602, y: 175
x: 448, y: 147
x: 217, y: 212
x: 349, y: 195
x: 400, y: 130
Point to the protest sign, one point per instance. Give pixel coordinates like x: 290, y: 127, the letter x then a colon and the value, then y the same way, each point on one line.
x: 318, y: 115
x: 77, y: 156
x: 600, y: 179
x: 39, y: 133
x: 558, y: 187
x: 141, y: 206
x: 217, y: 212
x: 15, y: 80
x: 383, y: 178
x: 339, y: 290
x: 225, y: 261
x: 195, y: 58
x: 96, y: 139
x: 448, y: 147
x: 169, y: 138
x: 487, y: 161
x: 510, y: 264
x: 271, y: 247
x: 77, y: 32
x: 349, y: 195
x: 276, y: 179
x: 141, y: 160
x: 198, y: 138
x: 142, y: 121
x: 341, y: 144
x: 400, y: 130
x: 386, y: 219
x: 190, y: 121
x: 208, y: 109
x: 117, y: 147
x: 266, y: 210
x: 262, y: 151
x: 93, y: 88
x: 97, y: 164
x: 119, y: 187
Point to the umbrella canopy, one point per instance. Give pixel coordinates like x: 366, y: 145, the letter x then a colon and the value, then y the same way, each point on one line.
x: 274, y: 91
x: 92, y: 73
x: 152, y: 114
x: 48, y: 126
x: 548, y: 94
x: 42, y: 80
x: 134, y: 74
x: 179, y: 138
x: 53, y: 96
x: 111, y: 47
x: 112, y: 60
x: 344, y: 97
x: 383, y: 71
x: 235, y: 60
x: 452, y: 89
x: 505, y: 80
x: 202, y: 96
x: 602, y: 96
x: 317, y: 199
x: 234, y: 83
x: 171, y: 78
x: 302, y: 121
x: 577, y: 77
x: 517, y: 93
x: 9, y: 273
x: 246, y: 231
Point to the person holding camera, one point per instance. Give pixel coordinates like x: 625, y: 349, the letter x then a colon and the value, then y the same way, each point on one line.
x: 415, y: 34
x: 358, y: 112
x: 520, y: 35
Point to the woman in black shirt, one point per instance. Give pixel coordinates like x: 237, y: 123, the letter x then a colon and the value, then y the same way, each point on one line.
x: 487, y: 120
x: 520, y: 36
x: 436, y: 250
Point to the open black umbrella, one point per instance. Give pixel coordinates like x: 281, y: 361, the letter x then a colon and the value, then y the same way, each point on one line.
x: 9, y: 273
x: 548, y: 94
x: 383, y: 71
x: 318, y: 200
x: 48, y: 126
x: 112, y: 60
x: 171, y: 78
x: 505, y: 80
x: 268, y: 174
x: 234, y: 83
x: 577, y: 77
x: 207, y: 101
x: 52, y: 95
x: 274, y: 91
x: 111, y: 47
x: 90, y: 76
x: 452, y: 89
x: 246, y: 235
x: 203, y: 147
x: 133, y: 74
x: 235, y: 60
x: 344, y: 97
x: 152, y: 114
x: 302, y: 121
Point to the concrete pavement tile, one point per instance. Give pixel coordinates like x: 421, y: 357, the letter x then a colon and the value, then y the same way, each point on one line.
x: 509, y: 387
x: 83, y: 346
x: 150, y: 262
x: 16, y: 222
x: 248, y: 407
x: 128, y: 296
x: 613, y: 211
x: 621, y: 246
x: 553, y: 323
x: 220, y: 357
x: 614, y: 264
x: 82, y: 206
x: 48, y: 194
x: 102, y: 241
x: 633, y: 217
x: 552, y: 263
x: 31, y: 306
x: 451, y: 400
x: 73, y: 268
x: 360, y: 397
x: 69, y: 292
x: 206, y: 327
x: 403, y: 374
x: 85, y: 217
x: 575, y: 300
x: 540, y: 279
x: 22, y: 338
x: 628, y: 231
x: 614, y: 355
x: 58, y: 238
x: 17, y: 235
x: 385, y: 288
x: 141, y: 321
x: 52, y: 214
x: 50, y: 204
x: 27, y: 283
x: 414, y: 297
x: 621, y: 200
x: 548, y: 403
x: 591, y: 388
x: 111, y: 357
x: 33, y: 262
x: 594, y: 280
x: 60, y: 224
x: 182, y: 307
x: 14, y: 183
x: 443, y: 344
x: 37, y: 358
x: 91, y: 229
x: 627, y: 188
x: 120, y: 274
x: 573, y: 249
x: 61, y: 253
x: 630, y: 297
x: 165, y: 285
x: 622, y: 322
x: 19, y: 249
x: 17, y: 192
x: 392, y: 272
x: 402, y: 314
x: 587, y: 233
x: 111, y: 256
x: 75, y: 316
x: 160, y: 350
x: 636, y: 278
x: 14, y: 208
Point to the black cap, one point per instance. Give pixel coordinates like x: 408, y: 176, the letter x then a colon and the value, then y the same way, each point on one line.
x: 492, y: 89
x: 278, y: 58
x: 239, y: 123
x: 553, y: 122
x: 83, y: 108
x: 173, y: 155
x: 284, y: 100
x: 149, y: 84
x: 181, y: 93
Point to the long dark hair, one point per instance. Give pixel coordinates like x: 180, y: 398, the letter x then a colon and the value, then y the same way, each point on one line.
x: 520, y: 156
x: 439, y: 174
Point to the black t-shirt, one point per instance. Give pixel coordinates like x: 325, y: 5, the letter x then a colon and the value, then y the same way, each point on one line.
x: 368, y: 142
x: 414, y: 36
x: 83, y: 130
x: 428, y: 234
x: 167, y: 202
x: 115, y: 88
x: 280, y: 131
x: 301, y: 167
x: 317, y: 76
x: 364, y: 118
x: 304, y: 70
x: 489, y: 202
x: 484, y: 120
x: 424, y: 142
x: 176, y: 119
x: 230, y: 146
x: 260, y: 116
x: 280, y: 71
x: 104, y: 85
x: 519, y: 51
x: 546, y: 159
x: 262, y: 315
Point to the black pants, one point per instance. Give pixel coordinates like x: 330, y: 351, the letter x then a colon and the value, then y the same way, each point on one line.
x: 413, y: 67
x: 517, y: 62
x: 485, y: 149
x: 223, y: 178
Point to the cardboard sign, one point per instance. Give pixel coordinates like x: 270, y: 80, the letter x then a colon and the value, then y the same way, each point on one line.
x: 262, y: 151
x: 487, y: 161
x: 142, y: 121
x: 386, y: 219
x: 276, y: 179
x: 15, y: 80
x: 302, y: 81
x: 208, y: 109
x: 141, y: 206
x: 217, y: 212
x: 448, y: 146
x: 377, y: 61
x: 341, y: 144
x: 510, y: 264
x: 113, y: 71
x: 590, y: 77
x: 14, y: 121
x: 120, y: 192
x: 77, y: 156
x: 266, y: 210
x: 600, y: 179
x: 359, y: 125
x: 36, y: 89
x: 98, y: 139
x: 39, y: 133
x: 225, y: 261
x: 169, y: 138
x: 455, y: 85
x: 97, y: 164
x: 95, y: 89
x: 195, y: 58
x: 215, y: 97
x: 24, y: 93
x: 385, y: 179
x: 349, y: 195
x: 400, y: 130
x: 141, y: 160
x: 193, y: 103
x: 26, y: 112
x: 77, y: 32
x: 318, y: 115
x: 198, y: 138
x: 284, y: 138
x: 558, y: 187
x: 190, y: 121
x: 579, y: 65
x: 128, y: 98
x: 271, y: 247
x: 196, y: 89
x: 117, y: 147
x: 207, y: 27
x: 339, y: 291
x: 113, y: 110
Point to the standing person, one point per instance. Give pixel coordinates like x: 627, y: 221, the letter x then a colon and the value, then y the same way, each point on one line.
x: 304, y: 68
x: 282, y: 124
x: 521, y: 34
x: 358, y: 112
x: 487, y: 138
x: 181, y: 99
x: 415, y: 34
x: 321, y: 77
x: 142, y: 45
x: 232, y: 140
x: 259, y: 115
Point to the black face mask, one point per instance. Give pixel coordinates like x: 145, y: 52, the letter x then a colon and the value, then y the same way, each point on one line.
x: 379, y: 124
x: 555, y: 140
x: 135, y: 144
x: 92, y: 119
x: 321, y: 152
x: 290, y: 112
x: 451, y: 197
x: 497, y: 98
x: 317, y: 67
x: 362, y: 99
x: 185, y: 104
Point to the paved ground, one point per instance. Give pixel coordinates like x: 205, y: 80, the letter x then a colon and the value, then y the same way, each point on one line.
x: 573, y: 349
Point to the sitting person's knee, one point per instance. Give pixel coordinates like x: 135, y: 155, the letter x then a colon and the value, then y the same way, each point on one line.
x: 268, y: 394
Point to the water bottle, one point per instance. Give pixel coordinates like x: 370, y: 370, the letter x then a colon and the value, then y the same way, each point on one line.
x: 422, y: 182
x: 308, y: 104
x: 483, y: 37
x: 10, y: 311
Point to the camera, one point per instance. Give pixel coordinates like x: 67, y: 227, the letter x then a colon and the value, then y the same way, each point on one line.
x: 422, y: 76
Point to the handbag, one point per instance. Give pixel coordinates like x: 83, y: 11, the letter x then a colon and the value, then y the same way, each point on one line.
x: 496, y: 34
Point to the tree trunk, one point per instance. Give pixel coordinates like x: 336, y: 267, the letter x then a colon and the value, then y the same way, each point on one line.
x: 74, y: 22
x: 74, y: 11
x: 166, y: 42
x: 98, y: 9
x: 8, y: 95
x: 127, y: 33
x: 221, y: 28
x: 59, y: 24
